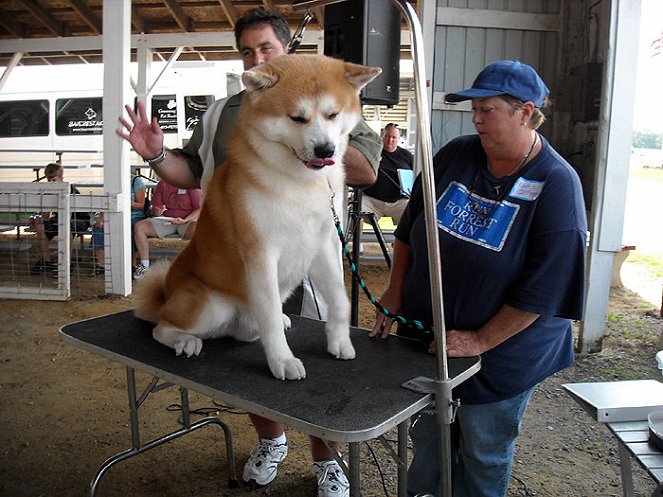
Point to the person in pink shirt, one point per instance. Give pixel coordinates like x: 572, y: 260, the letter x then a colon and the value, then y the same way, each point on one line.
x: 175, y: 210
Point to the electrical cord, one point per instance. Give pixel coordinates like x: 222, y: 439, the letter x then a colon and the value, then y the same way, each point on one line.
x: 524, y: 486
x: 205, y: 411
x: 377, y: 465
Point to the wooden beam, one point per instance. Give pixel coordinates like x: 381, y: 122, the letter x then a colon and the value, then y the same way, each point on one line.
x: 79, y: 57
x: 157, y: 41
x: 229, y: 11
x: 83, y: 10
x: 57, y: 27
x: 18, y: 29
x: 486, y: 18
x: 268, y: 4
x: 138, y: 22
x: 184, y: 22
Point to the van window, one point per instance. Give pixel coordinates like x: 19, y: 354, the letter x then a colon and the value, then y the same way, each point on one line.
x: 164, y: 108
x: 24, y: 118
x: 78, y: 116
x: 194, y: 107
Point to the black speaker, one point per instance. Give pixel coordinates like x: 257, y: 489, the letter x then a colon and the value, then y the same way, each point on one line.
x: 367, y: 32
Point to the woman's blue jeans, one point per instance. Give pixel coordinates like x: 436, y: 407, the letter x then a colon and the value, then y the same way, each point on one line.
x: 483, y: 440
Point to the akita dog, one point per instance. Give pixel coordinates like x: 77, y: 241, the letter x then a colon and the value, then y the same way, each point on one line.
x: 266, y: 220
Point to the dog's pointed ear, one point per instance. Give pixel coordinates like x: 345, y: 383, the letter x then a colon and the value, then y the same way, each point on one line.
x: 359, y: 76
x: 256, y: 79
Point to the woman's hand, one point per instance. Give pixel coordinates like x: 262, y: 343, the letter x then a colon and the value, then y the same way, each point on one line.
x: 158, y: 210
x: 145, y: 137
x: 391, y: 300
x: 462, y: 344
x: 179, y: 220
x: 506, y: 322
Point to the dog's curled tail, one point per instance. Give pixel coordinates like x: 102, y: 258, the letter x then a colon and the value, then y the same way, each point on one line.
x: 149, y: 293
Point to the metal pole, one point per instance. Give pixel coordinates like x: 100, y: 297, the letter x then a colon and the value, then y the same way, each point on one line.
x: 133, y: 408
x: 357, y: 229
x: 443, y: 405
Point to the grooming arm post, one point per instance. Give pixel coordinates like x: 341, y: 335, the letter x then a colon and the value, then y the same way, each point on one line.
x: 443, y: 401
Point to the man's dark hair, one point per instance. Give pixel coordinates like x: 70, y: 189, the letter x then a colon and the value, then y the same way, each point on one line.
x: 258, y: 16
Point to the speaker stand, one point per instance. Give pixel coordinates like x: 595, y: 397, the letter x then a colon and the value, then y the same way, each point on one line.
x: 353, y: 234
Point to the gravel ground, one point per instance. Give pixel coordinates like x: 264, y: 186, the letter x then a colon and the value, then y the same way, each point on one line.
x: 64, y: 411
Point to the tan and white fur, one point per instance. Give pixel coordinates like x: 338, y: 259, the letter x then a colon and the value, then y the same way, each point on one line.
x: 266, y: 220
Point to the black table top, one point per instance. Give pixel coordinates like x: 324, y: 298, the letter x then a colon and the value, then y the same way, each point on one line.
x: 345, y: 401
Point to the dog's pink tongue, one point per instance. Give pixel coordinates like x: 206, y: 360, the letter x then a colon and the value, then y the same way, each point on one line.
x: 319, y: 162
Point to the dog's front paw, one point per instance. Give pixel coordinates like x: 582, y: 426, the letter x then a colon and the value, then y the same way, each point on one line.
x: 188, y: 344
x: 287, y: 369
x: 341, y: 348
x: 286, y: 322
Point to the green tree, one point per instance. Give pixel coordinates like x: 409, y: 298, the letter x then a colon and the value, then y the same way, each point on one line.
x: 647, y: 139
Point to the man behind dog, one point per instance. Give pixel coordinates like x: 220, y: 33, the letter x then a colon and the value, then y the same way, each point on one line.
x: 260, y: 36
x: 386, y: 197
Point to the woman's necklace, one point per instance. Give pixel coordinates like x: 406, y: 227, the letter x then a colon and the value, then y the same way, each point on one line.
x: 476, y: 206
x: 519, y: 166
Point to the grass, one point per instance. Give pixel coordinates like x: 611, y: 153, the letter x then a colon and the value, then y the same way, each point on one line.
x: 652, y: 263
x: 631, y: 328
x: 614, y: 318
x: 621, y: 371
x: 648, y: 173
x: 12, y: 217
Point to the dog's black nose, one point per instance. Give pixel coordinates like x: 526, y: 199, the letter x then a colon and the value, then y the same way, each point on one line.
x: 324, y: 151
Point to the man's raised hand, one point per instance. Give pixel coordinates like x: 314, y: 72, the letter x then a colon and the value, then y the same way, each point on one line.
x: 145, y: 137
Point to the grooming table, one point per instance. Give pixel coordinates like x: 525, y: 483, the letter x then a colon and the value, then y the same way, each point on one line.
x: 344, y: 401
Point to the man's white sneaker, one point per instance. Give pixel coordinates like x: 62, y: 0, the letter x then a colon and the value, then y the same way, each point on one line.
x: 331, y: 480
x: 139, y: 272
x: 261, y: 467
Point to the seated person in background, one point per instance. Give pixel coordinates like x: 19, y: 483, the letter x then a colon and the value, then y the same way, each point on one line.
x: 98, y: 243
x: 46, y: 226
x: 138, y: 209
x: 177, y: 211
x: 385, y: 197
x: 138, y: 199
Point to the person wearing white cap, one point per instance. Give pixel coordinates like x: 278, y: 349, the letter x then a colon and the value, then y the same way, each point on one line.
x: 512, y: 232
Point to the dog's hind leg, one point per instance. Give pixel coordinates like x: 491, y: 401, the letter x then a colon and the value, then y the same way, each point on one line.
x: 181, y: 342
x: 188, y: 316
x: 326, y: 273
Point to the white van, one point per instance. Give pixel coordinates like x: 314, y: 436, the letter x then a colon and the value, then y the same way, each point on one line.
x: 54, y: 114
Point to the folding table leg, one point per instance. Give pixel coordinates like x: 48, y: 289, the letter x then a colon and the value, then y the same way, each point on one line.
x: 625, y: 468
x: 402, y: 459
x: 138, y: 447
x: 355, y: 480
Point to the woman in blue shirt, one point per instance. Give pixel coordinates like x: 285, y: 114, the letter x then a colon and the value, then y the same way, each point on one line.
x: 512, y: 231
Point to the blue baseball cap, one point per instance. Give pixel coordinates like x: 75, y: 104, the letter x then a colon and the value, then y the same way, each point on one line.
x: 505, y: 77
